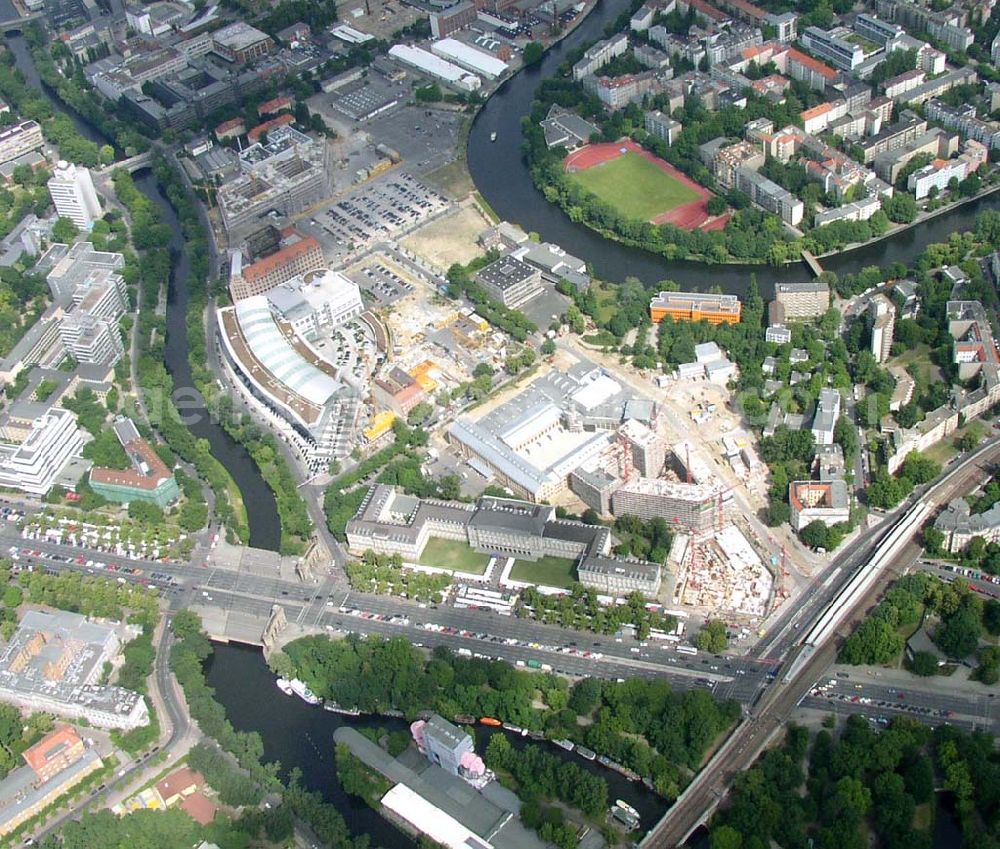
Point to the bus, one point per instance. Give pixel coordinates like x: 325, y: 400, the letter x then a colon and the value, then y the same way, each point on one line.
x: 691, y: 650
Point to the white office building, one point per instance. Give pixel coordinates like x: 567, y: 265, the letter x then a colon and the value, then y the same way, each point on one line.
x: 34, y: 465
x: 315, y: 301
x: 74, y: 195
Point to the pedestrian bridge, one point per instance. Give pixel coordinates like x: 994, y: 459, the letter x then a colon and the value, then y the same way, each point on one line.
x: 812, y: 263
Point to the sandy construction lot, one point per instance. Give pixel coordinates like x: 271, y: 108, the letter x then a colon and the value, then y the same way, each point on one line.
x: 450, y: 239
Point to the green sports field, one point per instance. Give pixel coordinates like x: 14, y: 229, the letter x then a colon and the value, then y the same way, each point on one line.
x: 635, y: 186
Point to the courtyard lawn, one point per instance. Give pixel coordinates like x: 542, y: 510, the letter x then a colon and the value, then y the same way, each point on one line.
x: 453, y: 555
x: 635, y: 186
x: 919, y: 356
x: 550, y: 571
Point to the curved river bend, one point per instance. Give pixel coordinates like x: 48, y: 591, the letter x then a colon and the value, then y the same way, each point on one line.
x: 502, y: 178
x: 262, y: 514
x: 293, y: 733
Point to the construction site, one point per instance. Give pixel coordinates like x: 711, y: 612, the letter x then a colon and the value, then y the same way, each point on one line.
x: 575, y: 436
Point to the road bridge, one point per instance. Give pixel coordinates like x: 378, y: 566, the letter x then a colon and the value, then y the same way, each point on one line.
x: 17, y: 24
x: 132, y: 164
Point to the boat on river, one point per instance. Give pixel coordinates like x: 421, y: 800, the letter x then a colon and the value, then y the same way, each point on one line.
x: 625, y: 806
x: 300, y: 689
x: 285, y: 686
x: 335, y: 708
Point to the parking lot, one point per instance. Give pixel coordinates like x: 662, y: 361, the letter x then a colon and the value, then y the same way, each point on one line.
x: 384, y: 284
x: 425, y: 138
x: 379, y: 211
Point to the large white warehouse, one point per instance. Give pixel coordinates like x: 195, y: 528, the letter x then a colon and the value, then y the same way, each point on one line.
x: 469, y: 58
x: 427, y: 62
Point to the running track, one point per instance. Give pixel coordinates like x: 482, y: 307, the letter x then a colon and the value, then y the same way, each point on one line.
x: 688, y: 216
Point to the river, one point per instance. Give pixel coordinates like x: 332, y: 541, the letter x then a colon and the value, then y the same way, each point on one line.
x: 502, y: 178
x: 301, y: 736
x: 262, y: 513
x: 294, y: 733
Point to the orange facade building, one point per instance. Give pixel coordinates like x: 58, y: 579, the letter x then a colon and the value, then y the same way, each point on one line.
x: 695, y: 306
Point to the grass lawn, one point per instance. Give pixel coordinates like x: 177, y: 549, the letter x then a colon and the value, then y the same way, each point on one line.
x: 923, y: 817
x: 606, y: 294
x: 454, y: 555
x: 635, y: 186
x: 943, y: 450
x: 919, y: 355
x: 550, y: 571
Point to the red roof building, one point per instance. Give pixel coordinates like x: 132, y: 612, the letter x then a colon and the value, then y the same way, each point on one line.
x: 267, y: 126
x: 230, y: 129
x: 297, y: 257
x: 55, y: 752
x: 274, y: 106
x: 179, y: 785
x: 200, y: 808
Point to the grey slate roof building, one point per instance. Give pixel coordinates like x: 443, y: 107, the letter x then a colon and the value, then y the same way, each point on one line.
x: 389, y: 522
x: 510, y: 281
x: 959, y: 524
x: 563, y: 128
x: 533, y: 442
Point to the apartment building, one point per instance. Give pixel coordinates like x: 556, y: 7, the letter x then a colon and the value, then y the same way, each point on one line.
x: 892, y: 137
x: 770, y: 196
x: 804, y: 68
x: 937, y: 86
x: 599, y: 55
x: 825, y: 418
x: 54, y: 766
x: 946, y: 25
x: 617, y: 92
x: 935, y: 141
x: 963, y: 119
x: 727, y: 160
x: 883, y: 318
x: 803, y: 300
x: 34, y: 464
x: 73, y: 194
x: 878, y: 31
x: 823, y: 501
x: 662, y: 126
x: 19, y: 139
x: 858, y: 210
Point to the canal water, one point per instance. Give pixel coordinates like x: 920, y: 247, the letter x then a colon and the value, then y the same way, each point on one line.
x: 265, y: 528
x: 294, y: 733
x: 262, y: 512
x: 301, y: 735
x: 502, y: 177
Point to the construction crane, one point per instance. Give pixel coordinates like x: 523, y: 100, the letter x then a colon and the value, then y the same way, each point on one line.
x: 782, y: 587
x: 626, y: 463
x: 720, y: 515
